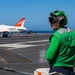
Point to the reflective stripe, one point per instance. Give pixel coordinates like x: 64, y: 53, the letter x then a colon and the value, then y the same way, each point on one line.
x: 63, y: 30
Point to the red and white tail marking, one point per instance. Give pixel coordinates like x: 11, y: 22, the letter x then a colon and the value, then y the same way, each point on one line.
x: 20, y: 23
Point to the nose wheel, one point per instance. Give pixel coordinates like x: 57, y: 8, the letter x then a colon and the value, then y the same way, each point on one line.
x: 5, y: 35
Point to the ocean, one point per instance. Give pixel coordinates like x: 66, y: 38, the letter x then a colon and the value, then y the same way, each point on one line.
x: 30, y: 31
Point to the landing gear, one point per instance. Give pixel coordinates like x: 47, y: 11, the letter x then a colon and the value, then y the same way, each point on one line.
x: 5, y: 35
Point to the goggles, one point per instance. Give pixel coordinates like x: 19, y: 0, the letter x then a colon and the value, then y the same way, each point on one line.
x: 53, y: 19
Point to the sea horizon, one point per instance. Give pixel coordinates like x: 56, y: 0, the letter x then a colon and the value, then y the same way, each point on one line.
x: 39, y: 31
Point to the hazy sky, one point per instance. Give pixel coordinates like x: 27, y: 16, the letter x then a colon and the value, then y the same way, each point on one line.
x: 36, y: 12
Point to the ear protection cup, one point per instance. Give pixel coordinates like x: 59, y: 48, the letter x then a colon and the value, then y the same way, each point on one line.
x: 61, y: 21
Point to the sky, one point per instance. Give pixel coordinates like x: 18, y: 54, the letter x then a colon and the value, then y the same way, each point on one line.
x: 36, y: 12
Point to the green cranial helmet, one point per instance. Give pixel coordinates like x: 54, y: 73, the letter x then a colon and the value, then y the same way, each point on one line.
x: 58, y: 13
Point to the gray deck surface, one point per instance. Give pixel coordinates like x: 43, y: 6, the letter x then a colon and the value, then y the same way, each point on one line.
x: 23, y: 54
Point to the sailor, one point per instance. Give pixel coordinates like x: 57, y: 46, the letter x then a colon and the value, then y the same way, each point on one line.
x: 61, y: 51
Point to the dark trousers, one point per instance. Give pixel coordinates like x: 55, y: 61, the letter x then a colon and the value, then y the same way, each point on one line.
x: 63, y: 70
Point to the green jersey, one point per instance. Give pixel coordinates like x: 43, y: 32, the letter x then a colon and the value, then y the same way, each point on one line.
x: 61, y: 51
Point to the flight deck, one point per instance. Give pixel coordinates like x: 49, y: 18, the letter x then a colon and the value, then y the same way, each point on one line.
x: 23, y: 54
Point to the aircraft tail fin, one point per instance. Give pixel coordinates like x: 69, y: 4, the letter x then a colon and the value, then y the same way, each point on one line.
x: 20, y: 23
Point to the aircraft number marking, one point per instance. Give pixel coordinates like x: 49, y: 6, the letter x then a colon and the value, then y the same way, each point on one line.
x: 12, y: 28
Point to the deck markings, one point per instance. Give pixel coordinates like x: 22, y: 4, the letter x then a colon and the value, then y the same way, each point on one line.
x: 22, y: 44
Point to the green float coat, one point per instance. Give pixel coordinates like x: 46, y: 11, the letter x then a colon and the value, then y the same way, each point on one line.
x: 61, y: 51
